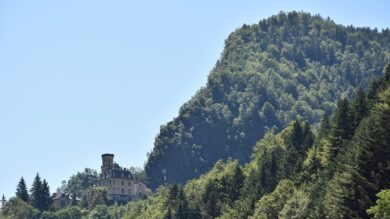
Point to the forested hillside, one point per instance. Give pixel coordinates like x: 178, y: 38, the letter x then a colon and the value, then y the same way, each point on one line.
x: 269, y: 73
x: 336, y: 172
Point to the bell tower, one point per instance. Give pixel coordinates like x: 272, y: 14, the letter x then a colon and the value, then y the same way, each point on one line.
x: 107, y: 162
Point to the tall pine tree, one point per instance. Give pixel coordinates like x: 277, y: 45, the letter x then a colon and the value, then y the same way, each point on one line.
x: 342, y: 121
x: 340, y: 133
x: 359, y: 107
x: 40, y: 194
x: 46, y: 199
x: 3, y: 201
x: 36, y: 193
x: 235, y: 183
x: 324, y: 127
x: 210, y: 200
x: 21, y: 191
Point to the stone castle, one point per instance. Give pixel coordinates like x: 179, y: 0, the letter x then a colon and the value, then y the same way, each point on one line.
x: 121, y: 185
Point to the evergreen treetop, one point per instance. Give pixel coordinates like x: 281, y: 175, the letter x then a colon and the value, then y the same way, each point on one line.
x: 21, y: 191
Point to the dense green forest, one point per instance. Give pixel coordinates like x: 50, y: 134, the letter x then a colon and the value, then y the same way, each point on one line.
x: 294, y: 122
x: 269, y: 73
x: 339, y: 170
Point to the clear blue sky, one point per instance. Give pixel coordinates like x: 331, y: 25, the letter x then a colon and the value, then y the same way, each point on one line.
x: 82, y: 78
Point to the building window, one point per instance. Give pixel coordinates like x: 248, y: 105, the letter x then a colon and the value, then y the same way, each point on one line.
x: 123, y: 191
x: 122, y: 183
x: 129, y: 183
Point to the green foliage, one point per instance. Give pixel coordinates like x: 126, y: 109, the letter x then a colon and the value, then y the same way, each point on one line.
x: 312, y: 164
x: 16, y: 208
x: 135, y: 209
x: 95, y: 196
x: 298, y: 142
x: 177, y: 204
x: 296, y: 206
x: 21, y: 191
x: 138, y: 174
x: 324, y: 128
x: 382, y: 207
x: 359, y: 107
x: 270, y: 205
x: 342, y: 121
x: 210, y: 200
x: 73, y: 212
x: 80, y: 182
x: 378, y: 85
x: 101, y: 212
x: 289, y: 65
x: 352, y: 190
x: 338, y: 196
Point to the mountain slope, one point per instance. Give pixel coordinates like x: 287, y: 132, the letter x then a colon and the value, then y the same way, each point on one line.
x: 269, y: 73
x: 334, y: 173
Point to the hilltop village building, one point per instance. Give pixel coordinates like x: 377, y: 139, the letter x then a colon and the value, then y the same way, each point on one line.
x: 119, y: 181
x: 64, y: 199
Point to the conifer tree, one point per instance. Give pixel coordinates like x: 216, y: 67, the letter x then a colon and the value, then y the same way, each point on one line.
x: 341, y: 123
x: 298, y: 142
x: 341, y: 132
x: 340, y: 197
x: 297, y: 136
x: 181, y: 205
x: 386, y: 75
x: 324, y: 126
x: 173, y: 192
x: 359, y: 107
x: 210, y: 200
x: 21, y: 191
x: 194, y: 212
x: 252, y: 190
x: 46, y: 199
x: 37, y: 193
x: 180, y: 212
x: 237, y: 181
x: 168, y: 214
x: 312, y: 164
x: 308, y: 138
x: 3, y: 201
x: 273, y: 169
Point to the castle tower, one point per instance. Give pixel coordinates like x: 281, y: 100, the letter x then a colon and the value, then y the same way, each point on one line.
x: 107, y: 162
x: 119, y: 182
